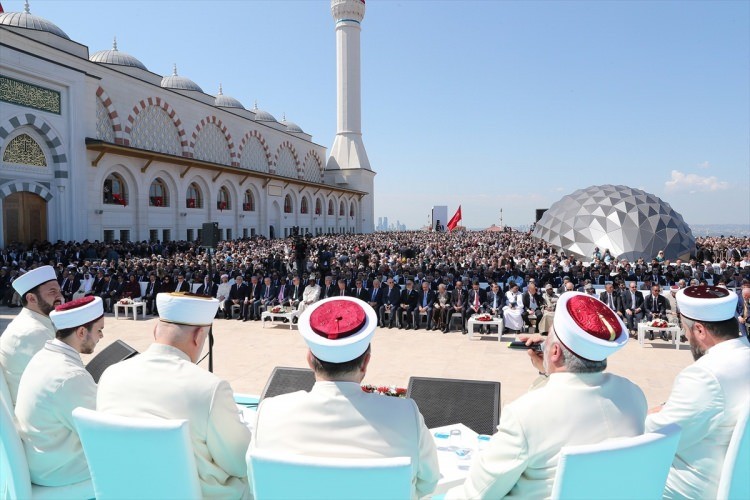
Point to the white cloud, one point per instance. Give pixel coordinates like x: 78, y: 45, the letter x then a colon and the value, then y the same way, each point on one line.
x: 694, y: 183
x: 704, y: 164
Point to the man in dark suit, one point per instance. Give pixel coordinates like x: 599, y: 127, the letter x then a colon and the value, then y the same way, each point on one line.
x: 533, y: 303
x: 424, y: 305
x: 359, y: 291
x: 495, y: 299
x: 375, y: 295
x: 459, y: 299
x: 476, y: 302
x: 152, y: 288
x: 207, y: 288
x: 295, y: 292
x: 69, y: 285
x: 328, y: 289
x: 391, y: 299
x: 631, y: 306
x: 282, y: 293
x: 407, y: 305
x: 610, y: 297
x: 341, y: 291
x: 250, y: 306
x: 267, y: 294
x: 655, y: 307
x: 237, y: 295
x: 107, y: 292
x: 182, y: 285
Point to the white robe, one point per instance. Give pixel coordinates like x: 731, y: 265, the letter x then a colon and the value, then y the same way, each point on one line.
x: 521, y: 459
x: 705, y: 401
x: 163, y: 383
x: 54, y: 383
x: 309, y: 295
x: 338, y: 419
x: 22, y: 338
x: 512, y: 316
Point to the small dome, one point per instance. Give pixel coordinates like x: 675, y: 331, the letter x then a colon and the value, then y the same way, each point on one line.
x: 115, y: 57
x: 29, y: 21
x: 262, y: 116
x: 179, y: 82
x: 225, y: 101
x: 291, y: 126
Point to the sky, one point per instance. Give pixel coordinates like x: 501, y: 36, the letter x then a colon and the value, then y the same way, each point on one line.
x: 485, y: 104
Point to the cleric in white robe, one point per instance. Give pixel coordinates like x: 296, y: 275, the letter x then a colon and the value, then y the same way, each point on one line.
x: 336, y: 418
x: 54, y: 384
x: 708, y: 396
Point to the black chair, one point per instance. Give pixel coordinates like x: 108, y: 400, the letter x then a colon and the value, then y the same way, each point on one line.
x: 284, y: 380
x: 444, y: 401
x: 114, y: 353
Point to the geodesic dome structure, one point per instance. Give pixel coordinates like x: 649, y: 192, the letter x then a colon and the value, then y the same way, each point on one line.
x: 629, y: 222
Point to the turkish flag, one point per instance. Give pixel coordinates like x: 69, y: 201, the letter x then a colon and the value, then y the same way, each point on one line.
x: 1, y: 8
x: 454, y: 220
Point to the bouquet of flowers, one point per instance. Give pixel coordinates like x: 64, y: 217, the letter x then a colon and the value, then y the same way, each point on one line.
x: 398, y: 392
x: 484, y: 317
x: 126, y: 301
x: 659, y: 323
x: 276, y: 309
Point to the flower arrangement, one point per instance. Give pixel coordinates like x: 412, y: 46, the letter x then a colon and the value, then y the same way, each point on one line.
x: 659, y: 323
x: 126, y: 301
x: 276, y: 309
x: 484, y: 317
x: 397, y: 392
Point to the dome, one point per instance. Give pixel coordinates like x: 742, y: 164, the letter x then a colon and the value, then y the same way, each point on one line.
x: 179, y: 82
x: 224, y: 101
x: 27, y: 20
x: 291, y: 126
x: 117, y: 58
x: 629, y: 222
x: 262, y: 116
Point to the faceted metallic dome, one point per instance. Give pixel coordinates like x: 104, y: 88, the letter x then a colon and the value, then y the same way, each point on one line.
x: 225, y: 101
x: 27, y: 20
x: 262, y: 116
x: 117, y: 58
x: 179, y: 82
x: 629, y: 222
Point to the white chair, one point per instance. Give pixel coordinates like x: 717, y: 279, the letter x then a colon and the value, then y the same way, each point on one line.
x: 277, y: 475
x: 138, y: 457
x: 615, y: 468
x: 734, y: 481
x: 15, y: 481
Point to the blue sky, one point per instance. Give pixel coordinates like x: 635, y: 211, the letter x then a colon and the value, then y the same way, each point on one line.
x: 507, y: 104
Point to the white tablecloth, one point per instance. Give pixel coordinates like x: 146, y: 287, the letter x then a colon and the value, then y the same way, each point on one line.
x: 453, y: 469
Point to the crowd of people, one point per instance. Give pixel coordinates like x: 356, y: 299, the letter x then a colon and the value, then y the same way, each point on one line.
x: 573, y: 402
x: 412, y: 279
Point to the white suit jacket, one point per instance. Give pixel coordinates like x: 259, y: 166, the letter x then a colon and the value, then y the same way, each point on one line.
x: 570, y: 409
x: 163, y: 383
x: 22, y: 338
x: 705, y: 401
x: 53, y: 385
x: 338, y: 419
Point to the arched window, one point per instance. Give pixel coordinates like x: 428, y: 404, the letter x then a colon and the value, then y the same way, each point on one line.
x: 303, y: 208
x: 330, y: 207
x: 194, y: 196
x: 249, y: 203
x: 342, y: 211
x: 224, y: 201
x: 115, y: 190
x: 288, y: 204
x: 318, y: 207
x: 351, y: 210
x: 158, y: 196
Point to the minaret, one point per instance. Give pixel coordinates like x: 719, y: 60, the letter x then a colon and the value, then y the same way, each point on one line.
x: 348, y: 165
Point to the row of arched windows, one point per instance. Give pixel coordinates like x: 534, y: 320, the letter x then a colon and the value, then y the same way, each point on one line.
x: 115, y: 192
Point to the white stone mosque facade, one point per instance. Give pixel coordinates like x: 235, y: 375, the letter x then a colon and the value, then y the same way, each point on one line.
x: 96, y: 146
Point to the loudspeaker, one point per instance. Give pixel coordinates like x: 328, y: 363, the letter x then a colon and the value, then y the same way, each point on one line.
x: 540, y: 213
x: 114, y: 353
x: 210, y: 234
x: 284, y: 380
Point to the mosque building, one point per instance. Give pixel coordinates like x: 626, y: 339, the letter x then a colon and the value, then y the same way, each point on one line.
x: 96, y: 146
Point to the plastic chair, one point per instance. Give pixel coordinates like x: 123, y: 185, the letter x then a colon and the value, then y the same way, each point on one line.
x: 277, y: 475
x: 734, y: 481
x: 15, y: 481
x: 444, y: 401
x: 615, y: 468
x: 138, y: 457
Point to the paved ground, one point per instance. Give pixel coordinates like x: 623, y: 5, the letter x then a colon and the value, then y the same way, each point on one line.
x: 245, y: 354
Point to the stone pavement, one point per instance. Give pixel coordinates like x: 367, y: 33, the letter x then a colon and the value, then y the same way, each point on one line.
x: 245, y: 354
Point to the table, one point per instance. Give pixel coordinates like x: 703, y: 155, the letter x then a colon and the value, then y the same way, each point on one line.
x: 279, y: 316
x: 675, y: 330
x: 130, y: 307
x: 453, y: 470
x: 496, y: 320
